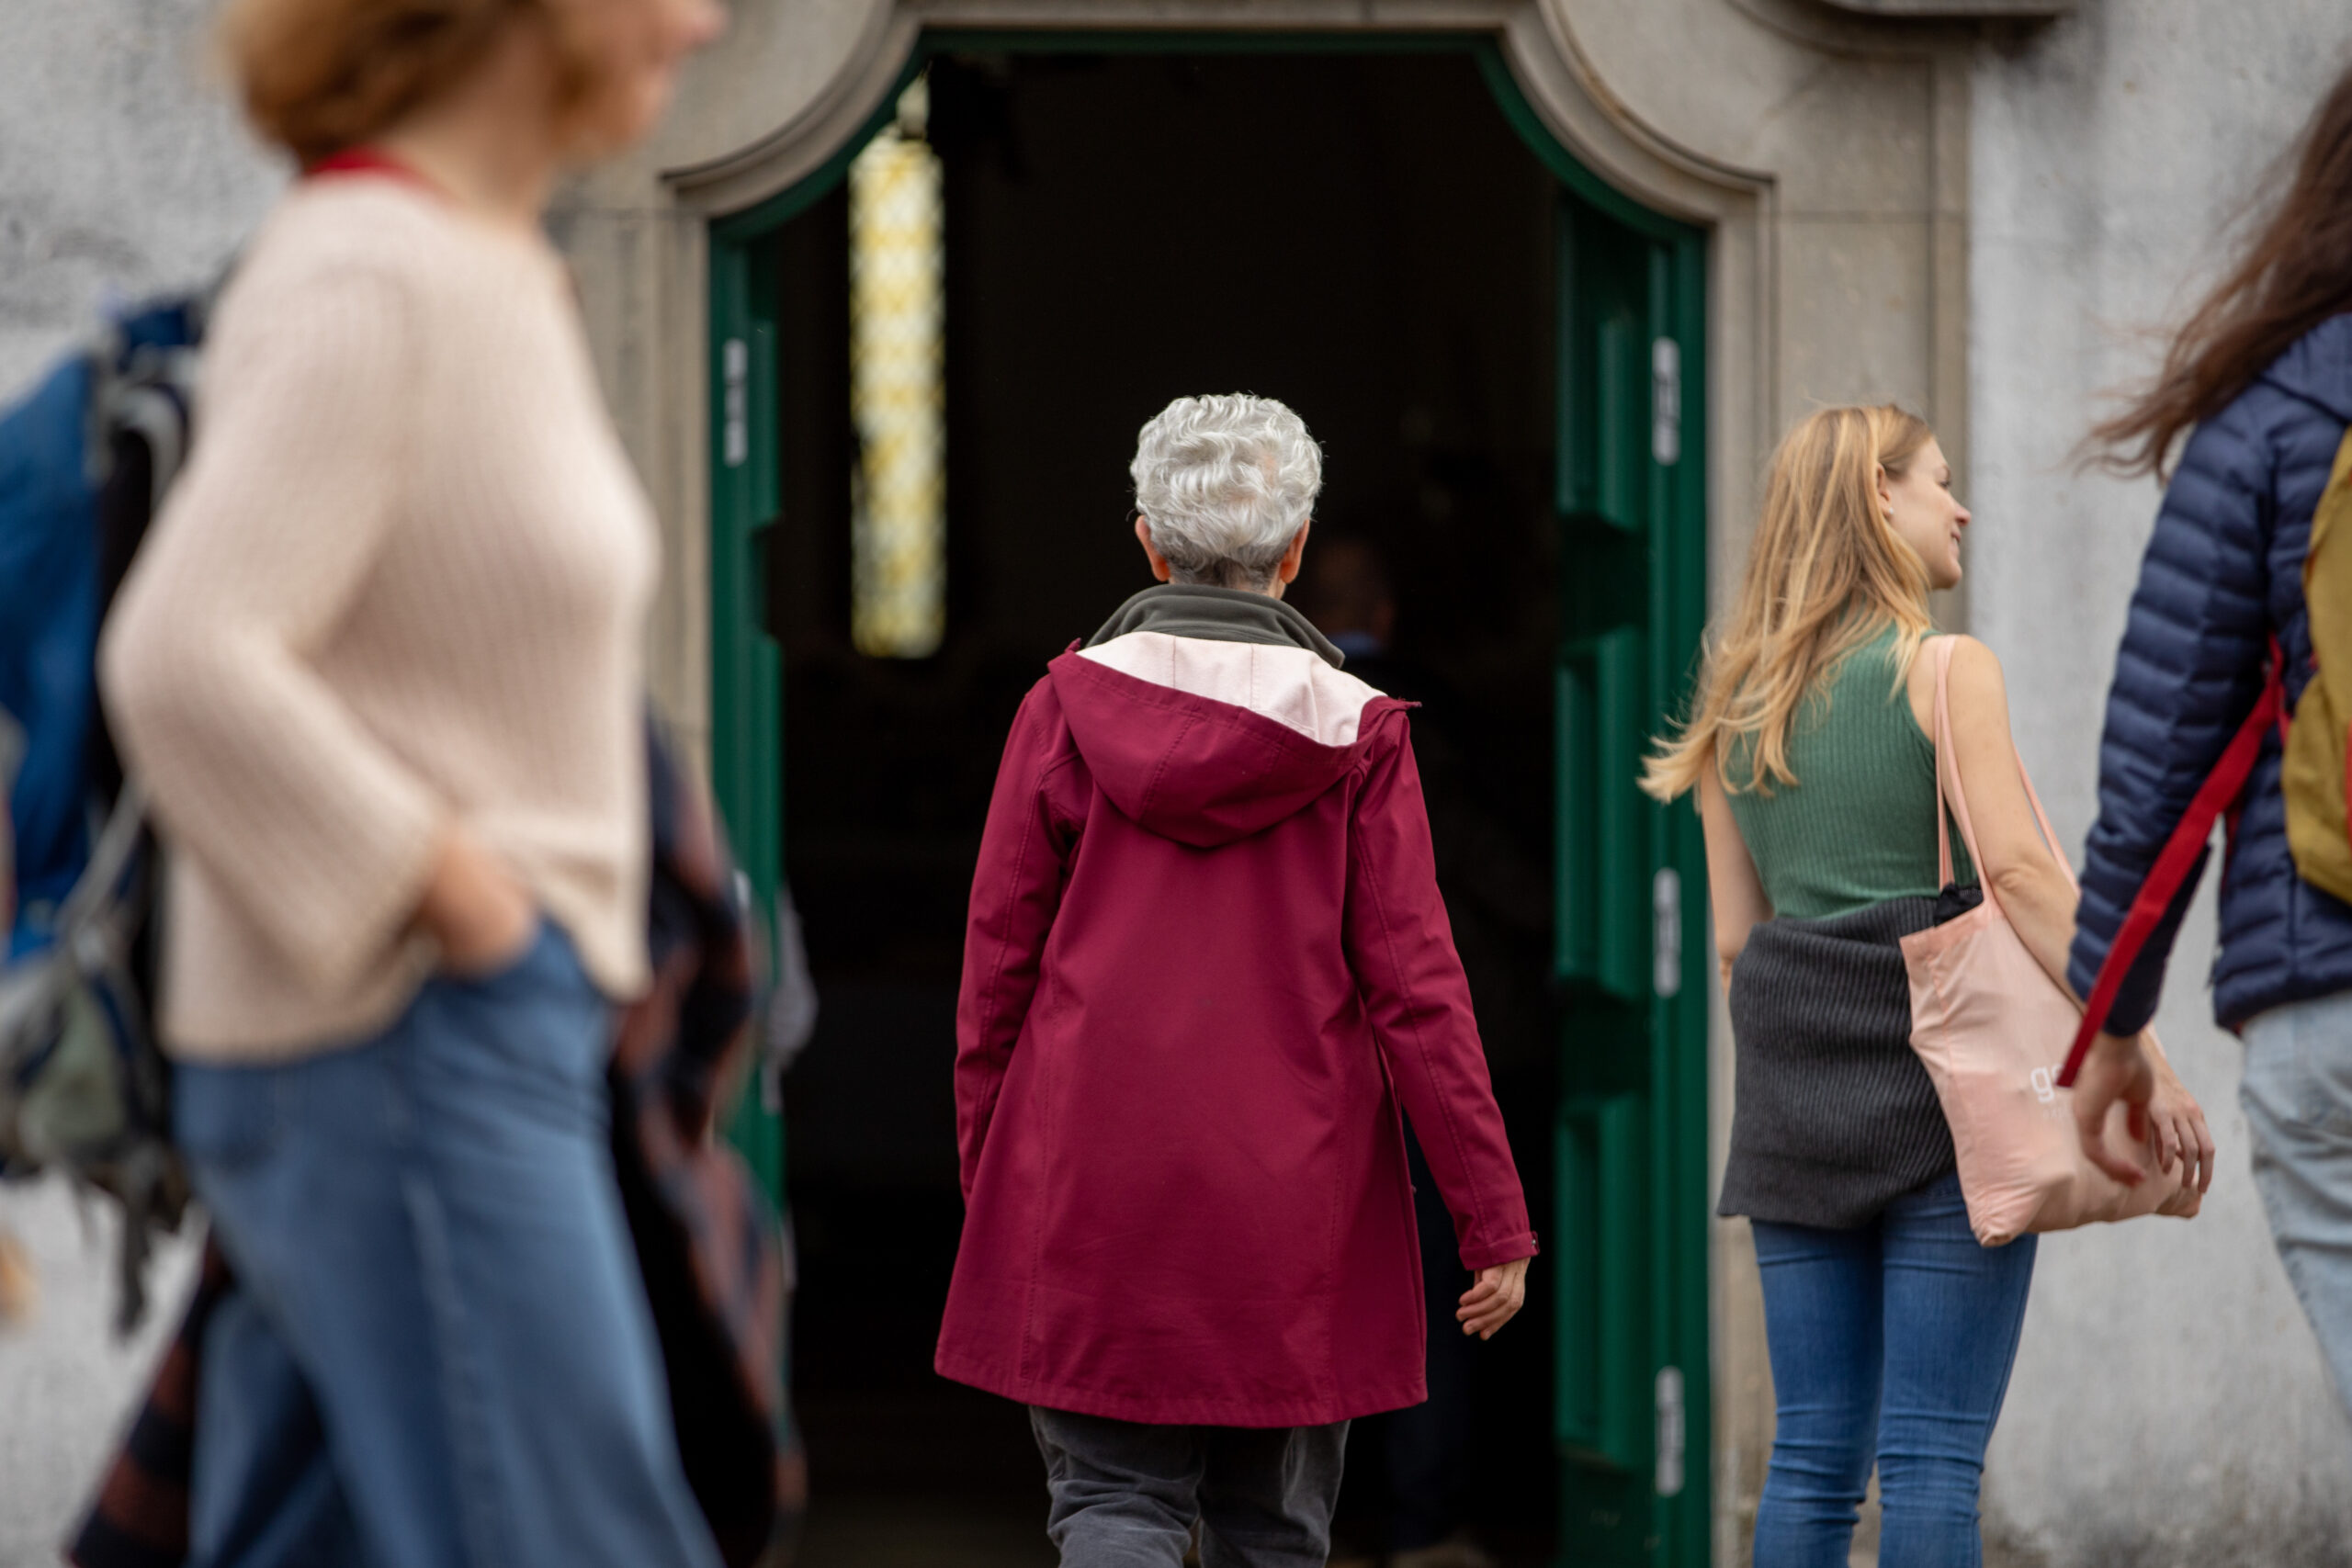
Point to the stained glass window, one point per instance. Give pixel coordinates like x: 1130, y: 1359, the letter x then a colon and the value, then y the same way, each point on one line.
x: 897, y: 397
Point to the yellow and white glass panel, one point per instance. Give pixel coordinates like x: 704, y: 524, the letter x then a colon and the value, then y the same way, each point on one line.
x: 898, y: 394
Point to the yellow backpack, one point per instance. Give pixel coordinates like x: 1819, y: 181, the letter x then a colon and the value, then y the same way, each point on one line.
x: 2312, y: 778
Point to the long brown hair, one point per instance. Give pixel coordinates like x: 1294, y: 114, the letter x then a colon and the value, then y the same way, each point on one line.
x: 2295, y: 272
x: 1826, y: 575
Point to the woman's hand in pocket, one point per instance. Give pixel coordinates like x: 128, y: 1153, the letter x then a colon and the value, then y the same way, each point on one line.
x: 475, y: 908
x: 2177, y: 1131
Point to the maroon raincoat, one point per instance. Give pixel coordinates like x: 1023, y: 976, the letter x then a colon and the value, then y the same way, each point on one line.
x: 1207, y: 965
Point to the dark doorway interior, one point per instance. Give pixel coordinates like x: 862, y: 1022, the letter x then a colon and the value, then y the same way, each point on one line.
x: 1360, y: 235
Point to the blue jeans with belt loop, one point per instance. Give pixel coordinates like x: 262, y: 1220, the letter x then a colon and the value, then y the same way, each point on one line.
x: 1891, y: 1343
x: 438, y: 1352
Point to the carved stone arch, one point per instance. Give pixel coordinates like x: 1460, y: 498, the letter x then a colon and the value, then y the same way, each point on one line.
x: 1599, y: 127
x: 728, y: 160
x: 1824, y: 155
x: 739, y: 177
x: 1732, y: 202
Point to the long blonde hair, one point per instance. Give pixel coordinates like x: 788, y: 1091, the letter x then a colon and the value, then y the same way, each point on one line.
x: 1827, y: 574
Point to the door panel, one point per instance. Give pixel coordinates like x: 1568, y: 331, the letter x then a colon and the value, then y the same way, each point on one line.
x: 1601, y: 1174
x: 1630, y: 1140
x: 1601, y: 831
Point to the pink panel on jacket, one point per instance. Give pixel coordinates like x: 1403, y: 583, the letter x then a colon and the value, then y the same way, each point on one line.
x: 1293, y: 686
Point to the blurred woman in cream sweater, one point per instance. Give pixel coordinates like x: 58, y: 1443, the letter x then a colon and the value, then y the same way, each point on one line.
x: 378, y: 669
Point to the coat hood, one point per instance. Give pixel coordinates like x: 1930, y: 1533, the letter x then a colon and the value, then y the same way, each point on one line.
x: 1205, y: 741
x: 2318, y: 369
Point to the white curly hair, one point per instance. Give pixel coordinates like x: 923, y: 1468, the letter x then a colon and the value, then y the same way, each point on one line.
x: 1225, y: 484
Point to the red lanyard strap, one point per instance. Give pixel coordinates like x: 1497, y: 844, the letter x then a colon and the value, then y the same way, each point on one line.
x: 2214, y: 797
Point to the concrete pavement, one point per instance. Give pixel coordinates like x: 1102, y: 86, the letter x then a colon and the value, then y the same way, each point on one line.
x: 66, y: 1385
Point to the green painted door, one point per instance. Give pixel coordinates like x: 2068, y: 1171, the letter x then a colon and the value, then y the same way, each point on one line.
x: 1629, y: 1217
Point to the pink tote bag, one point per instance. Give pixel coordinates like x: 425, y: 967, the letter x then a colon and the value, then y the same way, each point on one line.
x: 1993, y: 1028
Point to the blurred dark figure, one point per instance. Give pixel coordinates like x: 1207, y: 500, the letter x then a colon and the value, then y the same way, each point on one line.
x: 1492, y: 889
x: 1352, y: 602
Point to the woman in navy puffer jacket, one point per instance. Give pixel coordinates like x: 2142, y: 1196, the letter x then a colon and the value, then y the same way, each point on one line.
x: 2263, y: 376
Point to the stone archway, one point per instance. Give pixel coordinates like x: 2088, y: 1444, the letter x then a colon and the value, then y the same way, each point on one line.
x: 722, y: 169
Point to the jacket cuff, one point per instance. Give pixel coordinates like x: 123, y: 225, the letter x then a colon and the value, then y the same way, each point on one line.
x: 1510, y: 1249
x: 2135, y: 1003
x: 2135, y: 999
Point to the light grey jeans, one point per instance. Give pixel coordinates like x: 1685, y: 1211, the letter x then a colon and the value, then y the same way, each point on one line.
x: 1127, y: 1495
x: 2298, y: 1100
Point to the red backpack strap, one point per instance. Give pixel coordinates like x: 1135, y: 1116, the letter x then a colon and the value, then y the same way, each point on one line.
x: 2218, y: 793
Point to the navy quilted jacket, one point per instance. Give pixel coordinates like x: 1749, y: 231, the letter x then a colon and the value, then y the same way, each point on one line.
x: 2223, y: 576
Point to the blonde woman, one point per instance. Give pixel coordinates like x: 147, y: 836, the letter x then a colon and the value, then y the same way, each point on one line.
x: 378, y: 668
x: 1890, y: 1331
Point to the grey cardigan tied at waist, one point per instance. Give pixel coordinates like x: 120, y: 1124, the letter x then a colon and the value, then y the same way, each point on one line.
x: 1833, y: 1116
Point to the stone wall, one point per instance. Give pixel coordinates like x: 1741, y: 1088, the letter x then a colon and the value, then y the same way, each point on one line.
x: 2169, y: 1405
x: 122, y: 168
x: 122, y: 172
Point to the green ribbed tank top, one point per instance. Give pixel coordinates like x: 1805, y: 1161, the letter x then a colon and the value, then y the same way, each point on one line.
x: 1858, y: 827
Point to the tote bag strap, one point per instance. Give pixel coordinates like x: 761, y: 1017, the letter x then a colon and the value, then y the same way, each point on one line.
x: 1941, y: 653
x: 1948, y: 766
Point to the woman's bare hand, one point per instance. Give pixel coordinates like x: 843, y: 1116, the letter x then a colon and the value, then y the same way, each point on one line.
x: 2114, y: 1069
x: 475, y: 908
x: 2177, y: 1128
x: 1494, y: 1299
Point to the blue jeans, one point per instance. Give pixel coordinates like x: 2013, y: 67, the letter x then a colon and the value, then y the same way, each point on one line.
x: 1889, y: 1343
x: 2297, y: 1095
x: 438, y: 1352
x: 1125, y: 1495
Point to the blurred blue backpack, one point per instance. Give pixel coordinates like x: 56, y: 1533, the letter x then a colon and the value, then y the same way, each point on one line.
x: 85, y: 459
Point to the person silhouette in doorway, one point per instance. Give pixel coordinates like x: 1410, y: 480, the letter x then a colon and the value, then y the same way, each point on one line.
x: 1490, y: 890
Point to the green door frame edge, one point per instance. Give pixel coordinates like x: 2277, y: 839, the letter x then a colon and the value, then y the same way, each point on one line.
x: 746, y: 669
x: 746, y: 677
x: 1682, y: 1214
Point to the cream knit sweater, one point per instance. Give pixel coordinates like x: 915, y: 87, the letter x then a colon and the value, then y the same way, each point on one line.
x: 401, y: 584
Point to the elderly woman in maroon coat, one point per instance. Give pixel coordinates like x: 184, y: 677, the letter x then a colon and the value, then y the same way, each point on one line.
x: 1207, y: 967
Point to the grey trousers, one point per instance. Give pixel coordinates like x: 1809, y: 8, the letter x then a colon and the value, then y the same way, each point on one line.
x: 2298, y: 1100
x: 1127, y: 1495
